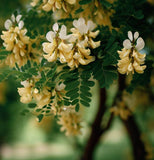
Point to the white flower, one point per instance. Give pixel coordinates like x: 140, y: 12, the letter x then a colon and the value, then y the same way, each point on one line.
x: 129, y: 43
x: 80, y: 25
x: 63, y: 32
x: 9, y: 22
x: 83, y: 27
x: 60, y: 87
x: 52, y: 34
x: 25, y: 83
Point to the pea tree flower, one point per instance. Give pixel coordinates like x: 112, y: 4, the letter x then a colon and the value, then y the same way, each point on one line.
x: 83, y: 31
x: 73, y: 49
x: 70, y: 121
x: 53, y: 5
x: 10, y: 22
x: 56, y: 48
x: 130, y: 43
x: 121, y: 110
x: 16, y: 41
x: 34, y: 3
x: 130, y: 58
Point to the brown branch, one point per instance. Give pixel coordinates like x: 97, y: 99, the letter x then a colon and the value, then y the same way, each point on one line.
x: 107, y: 127
x: 96, y: 128
x: 132, y: 128
x: 130, y: 124
x: 135, y: 137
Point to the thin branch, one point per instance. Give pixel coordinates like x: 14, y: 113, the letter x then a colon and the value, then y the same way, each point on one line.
x: 107, y: 127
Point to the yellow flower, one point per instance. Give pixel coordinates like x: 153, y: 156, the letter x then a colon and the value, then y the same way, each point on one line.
x: 42, y: 98
x: 26, y: 95
x: 85, y: 31
x: 65, y: 52
x: 121, y: 110
x: 130, y: 58
x: 16, y: 41
x: 70, y: 121
x: 72, y: 49
x: 34, y: 3
x: 53, y: 5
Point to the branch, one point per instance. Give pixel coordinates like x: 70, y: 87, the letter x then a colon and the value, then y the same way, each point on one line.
x: 132, y: 128
x: 96, y: 128
x: 108, y: 124
x: 135, y: 137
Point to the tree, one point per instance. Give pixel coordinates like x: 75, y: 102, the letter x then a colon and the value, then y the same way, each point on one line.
x: 57, y: 70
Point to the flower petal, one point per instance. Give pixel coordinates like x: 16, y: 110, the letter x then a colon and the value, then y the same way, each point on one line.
x: 8, y: 24
x: 62, y: 33
x: 55, y: 27
x: 50, y: 35
x: 127, y: 44
x: 136, y: 35
x: 21, y: 24
x: 13, y: 18
x: 18, y: 18
x: 130, y: 35
x: 140, y: 44
x: 91, y: 26
x: 71, y: 1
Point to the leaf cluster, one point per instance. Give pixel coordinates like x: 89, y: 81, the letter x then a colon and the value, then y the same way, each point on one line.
x: 78, y: 87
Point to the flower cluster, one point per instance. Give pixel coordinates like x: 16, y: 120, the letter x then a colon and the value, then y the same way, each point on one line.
x: 73, y: 49
x: 54, y: 5
x: 68, y: 118
x: 16, y: 41
x: 29, y: 92
x: 121, y: 110
x: 70, y: 121
x: 130, y: 58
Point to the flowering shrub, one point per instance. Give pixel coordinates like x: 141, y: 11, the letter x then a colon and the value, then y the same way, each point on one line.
x: 59, y: 49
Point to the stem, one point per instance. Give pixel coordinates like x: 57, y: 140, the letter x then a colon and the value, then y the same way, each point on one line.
x: 132, y: 128
x: 135, y: 137
x: 96, y: 129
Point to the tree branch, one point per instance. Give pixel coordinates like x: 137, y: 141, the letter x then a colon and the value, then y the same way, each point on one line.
x: 132, y: 128
x: 135, y: 137
x: 96, y: 128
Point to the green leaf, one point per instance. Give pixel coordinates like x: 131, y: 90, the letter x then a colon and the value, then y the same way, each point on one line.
x: 85, y: 98
x: 75, y: 101
x: 5, y: 53
x: 71, y: 92
x: 88, y: 83
x: 38, y: 110
x: 138, y: 14
x: 104, y: 74
x: 74, y: 96
x: 86, y: 104
x: 79, y: 10
x: 83, y: 2
x: 84, y: 88
x: 71, y: 85
x: 40, y: 117
x: 77, y: 107
x: 106, y: 4
x: 66, y: 103
x: 32, y: 105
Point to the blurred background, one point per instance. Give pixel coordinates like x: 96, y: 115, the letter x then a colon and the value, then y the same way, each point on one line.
x: 23, y: 138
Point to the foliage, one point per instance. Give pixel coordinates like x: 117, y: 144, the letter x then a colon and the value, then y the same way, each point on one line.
x: 95, y: 54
